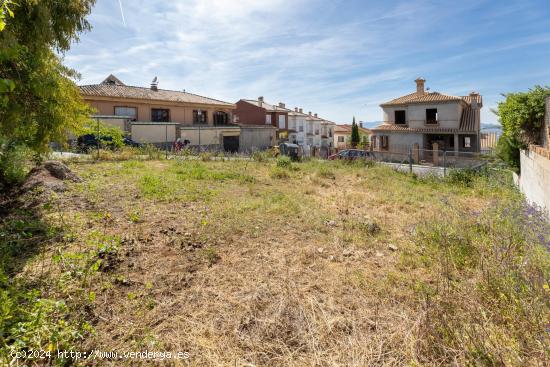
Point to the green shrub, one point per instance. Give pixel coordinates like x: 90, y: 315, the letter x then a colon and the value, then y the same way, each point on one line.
x: 508, y: 149
x: 284, y: 162
x: 14, y: 163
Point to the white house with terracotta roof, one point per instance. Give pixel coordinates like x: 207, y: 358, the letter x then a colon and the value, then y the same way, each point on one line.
x: 427, y: 118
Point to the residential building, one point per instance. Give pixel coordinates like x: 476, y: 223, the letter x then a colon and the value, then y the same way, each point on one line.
x: 159, y: 116
x: 431, y: 120
x: 258, y: 112
x: 308, y: 130
x: 342, y: 135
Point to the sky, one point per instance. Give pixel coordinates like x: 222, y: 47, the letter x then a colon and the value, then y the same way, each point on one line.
x: 336, y: 58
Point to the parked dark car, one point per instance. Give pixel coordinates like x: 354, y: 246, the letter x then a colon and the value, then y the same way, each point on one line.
x: 351, y: 154
x: 129, y: 142
x: 87, y: 142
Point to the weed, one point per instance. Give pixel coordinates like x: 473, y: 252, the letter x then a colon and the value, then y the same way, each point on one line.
x: 326, y: 172
x: 279, y: 173
x: 284, y: 162
x: 211, y: 255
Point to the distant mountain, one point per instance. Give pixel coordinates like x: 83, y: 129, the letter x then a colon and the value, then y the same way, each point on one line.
x: 370, y: 124
x: 491, y: 127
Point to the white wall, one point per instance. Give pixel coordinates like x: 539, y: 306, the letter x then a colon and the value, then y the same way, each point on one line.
x: 534, y: 181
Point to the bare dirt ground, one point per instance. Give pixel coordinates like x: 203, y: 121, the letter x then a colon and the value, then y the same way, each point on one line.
x: 239, y: 264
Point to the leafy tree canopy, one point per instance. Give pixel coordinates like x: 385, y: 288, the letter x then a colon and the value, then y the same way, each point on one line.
x: 40, y: 102
x: 522, y: 114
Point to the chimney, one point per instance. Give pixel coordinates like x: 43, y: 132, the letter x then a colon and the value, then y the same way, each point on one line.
x: 309, y: 113
x: 473, y: 97
x: 361, y: 124
x: 301, y: 110
x: 260, y: 101
x: 295, y: 109
x: 281, y: 104
x: 315, y: 114
x: 420, y: 85
x: 154, y: 84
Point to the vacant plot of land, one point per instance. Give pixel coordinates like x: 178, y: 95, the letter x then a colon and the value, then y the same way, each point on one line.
x: 304, y: 264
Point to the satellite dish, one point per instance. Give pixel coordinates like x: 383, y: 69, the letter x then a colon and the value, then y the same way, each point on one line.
x: 154, y: 80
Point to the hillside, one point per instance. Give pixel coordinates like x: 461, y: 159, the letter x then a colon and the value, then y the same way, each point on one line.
x: 278, y: 264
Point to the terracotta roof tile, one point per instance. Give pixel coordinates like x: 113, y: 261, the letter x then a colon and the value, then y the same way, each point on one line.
x: 346, y: 128
x: 430, y: 97
x: 112, y: 87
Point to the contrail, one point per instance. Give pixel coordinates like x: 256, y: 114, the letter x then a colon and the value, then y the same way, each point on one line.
x: 122, y: 12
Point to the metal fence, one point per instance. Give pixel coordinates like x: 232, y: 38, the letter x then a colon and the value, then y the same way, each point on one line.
x: 428, y: 161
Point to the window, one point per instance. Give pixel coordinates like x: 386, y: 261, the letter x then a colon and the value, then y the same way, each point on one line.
x: 282, y: 122
x: 451, y: 141
x: 126, y: 111
x: 200, y: 117
x: 341, y: 138
x: 221, y: 118
x: 301, y: 127
x: 431, y: 116
x: 400, y: 117
x: 268, y: 119
x: 467, y: 142
x: 160, y: 115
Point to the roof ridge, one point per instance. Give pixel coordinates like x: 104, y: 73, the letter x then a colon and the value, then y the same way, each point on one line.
x: 148, y: 88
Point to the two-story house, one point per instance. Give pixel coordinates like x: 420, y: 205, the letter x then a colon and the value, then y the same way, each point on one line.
x: 431, y: 120
x: 258, y: 112
x: 310, y: 131
x: 160, y: 116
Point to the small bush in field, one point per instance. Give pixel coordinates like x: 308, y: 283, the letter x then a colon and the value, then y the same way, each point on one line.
x: 206, y: 156
x: 284, y: 162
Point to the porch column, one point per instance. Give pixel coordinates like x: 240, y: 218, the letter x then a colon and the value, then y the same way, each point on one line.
x: 456, y: 144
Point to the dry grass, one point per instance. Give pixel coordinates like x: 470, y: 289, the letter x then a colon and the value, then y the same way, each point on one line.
x: 241, y: 265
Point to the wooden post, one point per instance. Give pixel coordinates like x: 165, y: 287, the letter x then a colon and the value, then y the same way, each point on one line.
x: 435, y: 148
x: 416, y: 153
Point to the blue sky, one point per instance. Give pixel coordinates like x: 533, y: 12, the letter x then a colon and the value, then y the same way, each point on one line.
x: 337, y: 58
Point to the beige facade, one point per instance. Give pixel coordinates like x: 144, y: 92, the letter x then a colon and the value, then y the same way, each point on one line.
x: 178, y: 112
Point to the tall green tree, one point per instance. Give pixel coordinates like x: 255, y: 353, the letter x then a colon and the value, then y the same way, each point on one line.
x: 522, y: 117
x: 41, y: 102
x: 355, y: 138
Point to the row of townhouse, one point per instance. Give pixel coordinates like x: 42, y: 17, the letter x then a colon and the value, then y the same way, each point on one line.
x: 308, y: 130
x: 160, y: 116
x: 429, y: 120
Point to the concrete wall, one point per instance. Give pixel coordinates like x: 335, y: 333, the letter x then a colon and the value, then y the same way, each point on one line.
x: 153, y: 133
x: 207, y: 136
x: 448, y: 114
x: 400, y: 142
x: 256, y: 138
x: 534, y: 181
x: 120, y: 123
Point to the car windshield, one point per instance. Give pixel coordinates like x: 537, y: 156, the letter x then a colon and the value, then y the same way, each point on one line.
x: 343, y: 154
